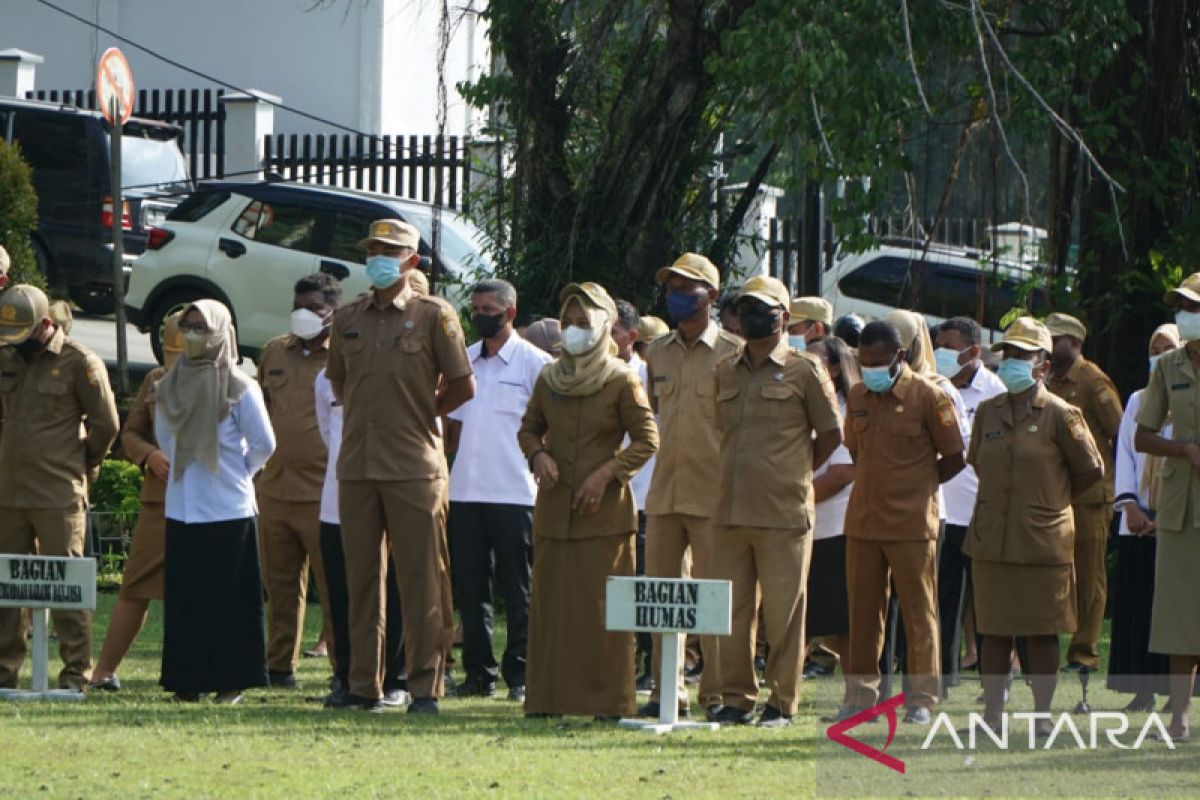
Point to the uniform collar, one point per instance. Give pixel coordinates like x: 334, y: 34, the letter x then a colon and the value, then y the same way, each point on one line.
x: 1072, y: 374
x: 903, y: 382
x: 295, y: 342
x: 506, y: 352
x: 399, y: 302
x: 778, y: 355
x: 708, y: 336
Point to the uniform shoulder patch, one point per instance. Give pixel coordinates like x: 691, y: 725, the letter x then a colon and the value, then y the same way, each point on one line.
x: 449, y: 322
x: 1076, y: 424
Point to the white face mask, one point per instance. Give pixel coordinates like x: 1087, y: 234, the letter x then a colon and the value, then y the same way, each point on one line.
x: 1189, y: 324
x: 197, y: 345
x: 307, y: 324
x: 577, y: 340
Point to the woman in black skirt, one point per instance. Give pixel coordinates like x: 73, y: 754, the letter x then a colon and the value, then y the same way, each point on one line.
x: 212, y: 424
x: 827, y: 620
x: 1132, y: 668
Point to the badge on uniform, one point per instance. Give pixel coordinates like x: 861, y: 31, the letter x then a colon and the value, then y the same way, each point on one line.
x: 778, y: 376
x: 899, y: 409
x: 408, y: 324
x: 449, y: 324
x: 1033, y: 429
x: 1078, y: 431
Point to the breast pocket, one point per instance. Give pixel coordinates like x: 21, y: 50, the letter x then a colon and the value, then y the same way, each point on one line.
x: 727, y: 405
x: 352, y: 343
x: 412, y: 345
x: 275, y: 379
x: 54, y: 392
x: 780, y: 402
x: 1171, y: 514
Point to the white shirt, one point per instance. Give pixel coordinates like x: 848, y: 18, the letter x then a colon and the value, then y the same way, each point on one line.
x: 639, y: 484
x: 831, y: 512
x: 489, y: 466
x: 246, y: 441
x: 1127, y: 474
x: 960, y: 490
x: 329, y: 423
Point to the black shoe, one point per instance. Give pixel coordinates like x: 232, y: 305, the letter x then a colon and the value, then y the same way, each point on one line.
x: 1075, y: 666
x: 772, y: 717
x: 1140, y: 703
x: 728, y: 715
x: 111, y: 684
x: 652, y: 709
x: 918, y: 715
x: 606, y: 719
x: 814, y: 670
x: 186, y: 697
x: 516, y: 694
x: 282, y: 680
x: 710, y: 712
x: 475, y: 688
x: 424, y: 705
x: 354, y: 702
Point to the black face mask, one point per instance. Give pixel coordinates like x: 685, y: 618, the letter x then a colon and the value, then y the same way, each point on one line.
x: 757, y: 323
x: 29, y: 348
x: 488, y: 325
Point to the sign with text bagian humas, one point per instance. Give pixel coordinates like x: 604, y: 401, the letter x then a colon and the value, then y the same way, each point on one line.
x: 47, y: 582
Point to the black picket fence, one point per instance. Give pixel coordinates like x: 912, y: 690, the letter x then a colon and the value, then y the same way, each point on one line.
x: 432, y: 169
x: 199, y: 112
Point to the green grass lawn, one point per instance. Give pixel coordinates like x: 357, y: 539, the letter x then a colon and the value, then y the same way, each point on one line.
x: 283, y: 744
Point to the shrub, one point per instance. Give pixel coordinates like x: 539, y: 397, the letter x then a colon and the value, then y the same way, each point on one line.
x: 18, y: 215
x: 117, y: 489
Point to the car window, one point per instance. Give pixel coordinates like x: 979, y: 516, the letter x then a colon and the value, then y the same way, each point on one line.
x: 52, y: 142
x: 345, y: 230
x: 878, y: 281
x: 277, y: 223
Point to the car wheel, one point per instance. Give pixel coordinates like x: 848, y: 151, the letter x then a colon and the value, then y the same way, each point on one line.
x: 174, y: 301
x: 95, y: 299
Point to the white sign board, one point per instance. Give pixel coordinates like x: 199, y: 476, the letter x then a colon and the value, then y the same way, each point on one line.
x: 664, y: 605
x: 47, y: 582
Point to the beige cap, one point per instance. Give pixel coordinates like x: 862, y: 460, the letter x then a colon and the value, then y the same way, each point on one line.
x: 22, y: 308
x: 693, y: 266
x: 393, y: 232
x: 594, y: 292
x: 1060, y: 324
x: 545, y: 334
x: 5, y: 261
x: 650, y: 328
x: 812, y: 309
x: 1026, y: 333
x: 1189, y: 290
x: 767, y: 289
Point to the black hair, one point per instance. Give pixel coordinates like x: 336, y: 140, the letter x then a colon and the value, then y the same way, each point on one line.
x: 965, y: 327
x: 848, y: 328
x: 728, y: 299
x: 880, y: 331
x: 839, y: 355
x: 327, y: 285
x: 627, y: 315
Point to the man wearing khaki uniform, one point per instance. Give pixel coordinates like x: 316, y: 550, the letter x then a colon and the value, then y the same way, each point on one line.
x: 59, y: 419
x: 1085, y: 386
x: 289, y: 488
x: 778, y: 419
x: 681, y: 500
x: 398, y: 362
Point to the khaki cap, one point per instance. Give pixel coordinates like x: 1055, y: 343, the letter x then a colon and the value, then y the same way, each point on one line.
x: 812, y: 309
x: 5, y: 261
x: 1188, y: 290
x: 1060, y: 324
x: 1027, y: 334
x: 393, y: 232
x: 694, y: 266
x: 596, y: 294
x: 767, y: 289
x: 650, y: 328
x: 22, y: 308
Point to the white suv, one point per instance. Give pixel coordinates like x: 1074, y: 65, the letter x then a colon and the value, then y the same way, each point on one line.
x: 246, y: 244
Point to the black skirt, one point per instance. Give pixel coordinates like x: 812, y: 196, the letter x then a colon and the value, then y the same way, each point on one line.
x: 828, y: 611
x: 213, y: 608
x: 1132, y: 667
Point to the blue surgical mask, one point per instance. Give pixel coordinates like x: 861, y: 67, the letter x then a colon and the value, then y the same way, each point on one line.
x: 1016, y: 374
x: 947, y: 361
x: 797, y: 341
x: 1189, y: 324
x: 383, y: 271
x: 682, y: 306
x: 879, y: 379
x: 1153, y: 361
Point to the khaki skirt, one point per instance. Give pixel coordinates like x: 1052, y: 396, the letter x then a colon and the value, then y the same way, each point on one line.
x: 1175, y: 619
x: 1023, y: 599
x: 143, y: 578
x: 574, y: 665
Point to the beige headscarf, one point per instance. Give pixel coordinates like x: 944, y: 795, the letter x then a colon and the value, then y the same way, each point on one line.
x: 1151, y: 481
x: 172, y: 339
x: 197, y: 393
x: 915, y: 338
x: 585, y: 374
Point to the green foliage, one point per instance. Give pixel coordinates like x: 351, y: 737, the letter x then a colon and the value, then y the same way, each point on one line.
x: 117, y: 489
x: 18, y: 215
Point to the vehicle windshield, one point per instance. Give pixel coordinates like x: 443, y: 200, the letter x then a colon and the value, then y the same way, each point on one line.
x: 460, y: 244
x: 152, y: 165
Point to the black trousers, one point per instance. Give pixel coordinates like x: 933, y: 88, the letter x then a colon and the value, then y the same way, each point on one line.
x: 492, y: 542
x: 954, y: 569
x: 339, y: 609
x: 645, y: 645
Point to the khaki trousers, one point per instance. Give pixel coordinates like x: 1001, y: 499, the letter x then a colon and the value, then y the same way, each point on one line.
x: 669, y: 537
x: 413, y: 514
x: 828, y: 651
x: 1091, y: 580
x: 871, y: 567
x: 771, y: 565
x: 289, y: 538
x: 47, y: 532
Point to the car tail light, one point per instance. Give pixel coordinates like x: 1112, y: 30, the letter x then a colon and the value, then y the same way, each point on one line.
x: 106, y: 214
x: 158, y: 238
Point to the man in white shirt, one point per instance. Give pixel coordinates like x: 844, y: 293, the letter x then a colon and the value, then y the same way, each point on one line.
x: 492, y: 493
x: 957, y: 353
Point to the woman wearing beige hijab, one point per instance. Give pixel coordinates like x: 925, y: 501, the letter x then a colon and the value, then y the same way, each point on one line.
x: 212, y: 425
x: 584, y: 520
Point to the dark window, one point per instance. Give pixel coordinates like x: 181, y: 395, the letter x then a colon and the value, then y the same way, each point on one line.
x: 278, y: 224
x: 52, y: 142
x: 197, y: 206
x: 879, y: 281
x: 346, y: 229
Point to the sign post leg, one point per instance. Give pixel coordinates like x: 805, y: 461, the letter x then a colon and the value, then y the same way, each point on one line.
x: 41, y: 649
x: 668, y: 693
x: 118, y: 265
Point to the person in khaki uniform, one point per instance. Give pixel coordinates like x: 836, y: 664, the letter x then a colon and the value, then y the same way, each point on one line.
x: 142, y: 580
x: 289, y: 488
x: 1085, y: 386
x: 1032, y: 452
x: 397, y: 361
x: 681, y: 501
x: 57, y: 420
x: 811, y: 319
x: 585, y: 518
x: 903, y: 433
x: 1173, y: 395
x: 778, y: 419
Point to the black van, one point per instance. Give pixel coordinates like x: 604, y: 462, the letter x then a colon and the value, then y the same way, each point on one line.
x: 68, y: 150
